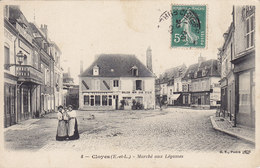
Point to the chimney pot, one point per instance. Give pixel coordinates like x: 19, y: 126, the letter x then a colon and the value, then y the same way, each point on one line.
x: 149, y: 59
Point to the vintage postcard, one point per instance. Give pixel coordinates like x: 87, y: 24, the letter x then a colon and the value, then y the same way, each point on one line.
x: 129, y: 83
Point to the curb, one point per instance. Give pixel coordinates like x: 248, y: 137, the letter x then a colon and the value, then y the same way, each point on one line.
x: 215, y: 126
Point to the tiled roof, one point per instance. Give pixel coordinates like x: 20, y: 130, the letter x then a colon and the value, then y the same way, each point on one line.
x: 172, y: 73
x: 210, y: 67
x: 117, y: 65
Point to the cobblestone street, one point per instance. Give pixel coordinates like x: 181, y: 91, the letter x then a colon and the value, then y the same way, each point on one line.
x: 172, y: 129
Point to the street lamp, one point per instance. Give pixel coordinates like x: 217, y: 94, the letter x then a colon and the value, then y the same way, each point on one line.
x: 20, y: 57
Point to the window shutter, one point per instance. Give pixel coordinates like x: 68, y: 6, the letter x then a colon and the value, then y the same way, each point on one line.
x: 143, y: 85
x: 105, y: 83
x: 134, y: 85
x: 85, y: 84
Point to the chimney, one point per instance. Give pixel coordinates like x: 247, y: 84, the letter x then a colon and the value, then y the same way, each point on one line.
x: 44, y: 29
x: 201, y: 59
x: 81, y: 66
x: 149, y: 59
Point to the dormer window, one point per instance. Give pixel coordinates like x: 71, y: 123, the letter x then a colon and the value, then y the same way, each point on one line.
x: 96, y: 70
x: 203, y: 72
x: 134, y: 70
x: 195, y: 75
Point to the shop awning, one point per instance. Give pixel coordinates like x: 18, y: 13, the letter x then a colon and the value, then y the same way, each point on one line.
x: 175, y: 96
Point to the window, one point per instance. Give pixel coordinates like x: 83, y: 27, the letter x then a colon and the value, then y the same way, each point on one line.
x: 134, y: 71
x: 203, y: 72
x: 250, y: 31
x: 139, y: 99
x: 86, y: 100
x: 127, y: 100
x: 177, y: 87
x: 47, y: 77
x: 244, y: 92
x: 92, y: 100
x: 110, y: 100
x: 195, y: 75
x: 170, y: 91
x: 7, y: 57
x: 95, y: 70
x: 104, y: 100
x: 116, y: 83
x: 97, y: 100
x: 138, y: 84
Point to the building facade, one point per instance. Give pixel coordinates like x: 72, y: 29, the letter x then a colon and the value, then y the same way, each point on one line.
x: 201, y: 84
x: 47, y: 67
x: 25, y: 52
x: 10, y: 78
x: 170, y: 85
x: 70, y: 91
x: 244, y: 64
x: 58, y: 75
x: 22, y: 96
x: 227, y: 83
x: 113, y: 79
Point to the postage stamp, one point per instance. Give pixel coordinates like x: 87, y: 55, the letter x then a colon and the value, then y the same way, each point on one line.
x: 188, y: 26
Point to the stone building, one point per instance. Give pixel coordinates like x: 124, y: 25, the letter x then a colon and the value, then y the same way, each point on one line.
x: 25, y: 51
x: 173, y: 89
x: 201, y: 84
x: 46, y: 66
x: 22, y: 73
x: 227, y: 83
x: 115, y: 78
x: 244, y: 64
x: 58, y: 74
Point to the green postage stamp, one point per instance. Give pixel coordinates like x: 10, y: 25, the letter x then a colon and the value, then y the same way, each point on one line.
x: 188, y: 26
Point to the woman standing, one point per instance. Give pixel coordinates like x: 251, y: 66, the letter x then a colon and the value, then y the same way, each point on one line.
x: 62, y: 130
x: 73, y: 132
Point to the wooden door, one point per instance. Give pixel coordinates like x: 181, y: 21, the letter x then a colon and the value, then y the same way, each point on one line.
x: 9, y: 105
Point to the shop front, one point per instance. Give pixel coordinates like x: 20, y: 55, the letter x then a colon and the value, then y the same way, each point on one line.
x: 245, y: 89
x: 200, y: 99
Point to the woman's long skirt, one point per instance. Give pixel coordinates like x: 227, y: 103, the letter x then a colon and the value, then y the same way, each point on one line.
x: 62, y: 131
x: 73, y: 132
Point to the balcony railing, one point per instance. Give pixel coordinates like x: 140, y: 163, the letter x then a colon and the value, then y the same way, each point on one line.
x: 27, y: 73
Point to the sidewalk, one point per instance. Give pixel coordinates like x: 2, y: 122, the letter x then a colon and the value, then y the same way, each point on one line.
x: 30, y: 123
x: 223, y: 125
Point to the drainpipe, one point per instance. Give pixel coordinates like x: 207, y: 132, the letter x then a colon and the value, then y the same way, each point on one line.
x: 16, y: 116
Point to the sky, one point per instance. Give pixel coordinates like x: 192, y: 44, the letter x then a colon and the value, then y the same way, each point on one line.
x: 84, y: 29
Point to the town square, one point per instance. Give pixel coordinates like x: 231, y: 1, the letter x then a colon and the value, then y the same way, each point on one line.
x: 172, y: 129
x: 116, y: 76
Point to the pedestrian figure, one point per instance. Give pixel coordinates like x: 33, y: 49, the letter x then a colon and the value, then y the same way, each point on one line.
x: 62, y: 130
x: 73, y: 132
